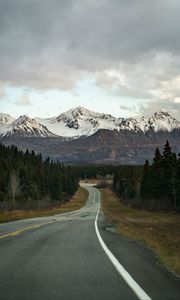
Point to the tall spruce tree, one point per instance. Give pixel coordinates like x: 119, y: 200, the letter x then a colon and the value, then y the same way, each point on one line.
x: 168, y: 179
x: 145, y: 182
x: 177, y: 183
x: 157, y: 175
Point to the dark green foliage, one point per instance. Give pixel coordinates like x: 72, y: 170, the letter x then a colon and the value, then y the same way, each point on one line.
x: 163, y: 179
x: 177, y: 184
x: 95, y: 171
x: 38, y: 179
x: 145, y: 188
x: 159, y: 184
x: 168, y: 164
x: 157, y: 175
x: 126, y: 181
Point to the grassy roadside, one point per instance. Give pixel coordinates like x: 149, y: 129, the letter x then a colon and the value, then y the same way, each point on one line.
x: 160, y: 231
x: 76, y: 202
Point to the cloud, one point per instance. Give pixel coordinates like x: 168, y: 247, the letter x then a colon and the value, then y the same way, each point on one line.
x: 2, y: 90
x: 155, y: 79
x: 132, y: 48
x: 49, y: 43
x: 128, y: 108
x: 167, y: 105
x: 23, y: 100
x: 105, y: 79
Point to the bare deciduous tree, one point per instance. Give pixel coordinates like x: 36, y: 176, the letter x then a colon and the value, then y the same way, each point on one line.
x: 14, y: 186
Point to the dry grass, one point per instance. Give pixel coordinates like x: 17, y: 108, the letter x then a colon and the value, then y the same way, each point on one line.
x: 160, y: 230
x: 76, y: 202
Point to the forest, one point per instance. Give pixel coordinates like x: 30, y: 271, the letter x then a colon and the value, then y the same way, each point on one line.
x: 28, y: 181
x: 155, y: 187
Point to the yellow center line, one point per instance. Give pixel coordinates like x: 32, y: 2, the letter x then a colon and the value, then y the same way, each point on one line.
x: 24, y: 229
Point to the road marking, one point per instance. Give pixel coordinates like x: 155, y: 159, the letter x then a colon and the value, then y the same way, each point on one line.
x: 126, y: 276
x: 14, y: 233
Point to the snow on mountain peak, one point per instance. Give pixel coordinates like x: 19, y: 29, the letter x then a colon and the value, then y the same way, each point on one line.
x: 80, y: 121
x: 161, y: 114
x: 22, y: 119
x: 79, y: 111
x: 162, y: 120
x: 5, y: 118
x: 26, y: 126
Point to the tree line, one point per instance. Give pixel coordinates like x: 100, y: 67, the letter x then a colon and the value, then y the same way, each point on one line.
x: 94, y: 171
x: 27, y: 180
x: 155, y: 186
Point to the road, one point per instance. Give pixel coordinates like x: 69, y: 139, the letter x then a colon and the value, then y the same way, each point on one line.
x: 74, y: 256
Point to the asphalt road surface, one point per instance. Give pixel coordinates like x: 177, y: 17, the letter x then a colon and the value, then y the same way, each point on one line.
x: 76, y: 256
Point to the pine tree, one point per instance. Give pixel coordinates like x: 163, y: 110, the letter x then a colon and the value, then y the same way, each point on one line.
x: 177, y: 183
x: 145, y: 182
x: 156, y: 175
x: 168, y: 179
x: 27, y: 173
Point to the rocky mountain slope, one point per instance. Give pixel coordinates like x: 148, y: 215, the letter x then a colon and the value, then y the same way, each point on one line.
x: 103, y: 147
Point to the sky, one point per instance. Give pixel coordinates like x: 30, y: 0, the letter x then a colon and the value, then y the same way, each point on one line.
x: 120, y: 57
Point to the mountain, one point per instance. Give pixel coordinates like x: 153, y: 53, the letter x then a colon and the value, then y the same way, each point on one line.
x: 23, y: 126
x: 82, y: 136
x: 5, y: 119
x: 80, y: 121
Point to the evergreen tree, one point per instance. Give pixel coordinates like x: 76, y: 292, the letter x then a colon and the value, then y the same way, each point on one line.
x: 157, y: 175
x: 168, y: 180
x: 35, y: 178
x: 145, y: 182
x: 177, y: 184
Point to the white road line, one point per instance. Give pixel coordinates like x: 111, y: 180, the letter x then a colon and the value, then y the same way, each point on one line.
x: 126, y: 276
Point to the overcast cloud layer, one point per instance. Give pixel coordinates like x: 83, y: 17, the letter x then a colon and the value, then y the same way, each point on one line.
x: 131, y: 47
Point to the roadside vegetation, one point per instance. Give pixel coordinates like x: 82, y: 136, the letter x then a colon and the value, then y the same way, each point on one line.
x: 29, y: 182
x: 158, y: 230
x: 156, y: 187
x: 75, y: 202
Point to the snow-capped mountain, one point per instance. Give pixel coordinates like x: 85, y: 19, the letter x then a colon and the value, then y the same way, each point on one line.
x: 160, y: 121
x: 92, y: 137
x: 6, y: 119
x: 80, y: 121
x: 24, y: 126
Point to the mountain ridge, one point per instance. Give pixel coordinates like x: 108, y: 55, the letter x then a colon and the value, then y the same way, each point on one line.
x: 79, y: 121
x: 25, y: 127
